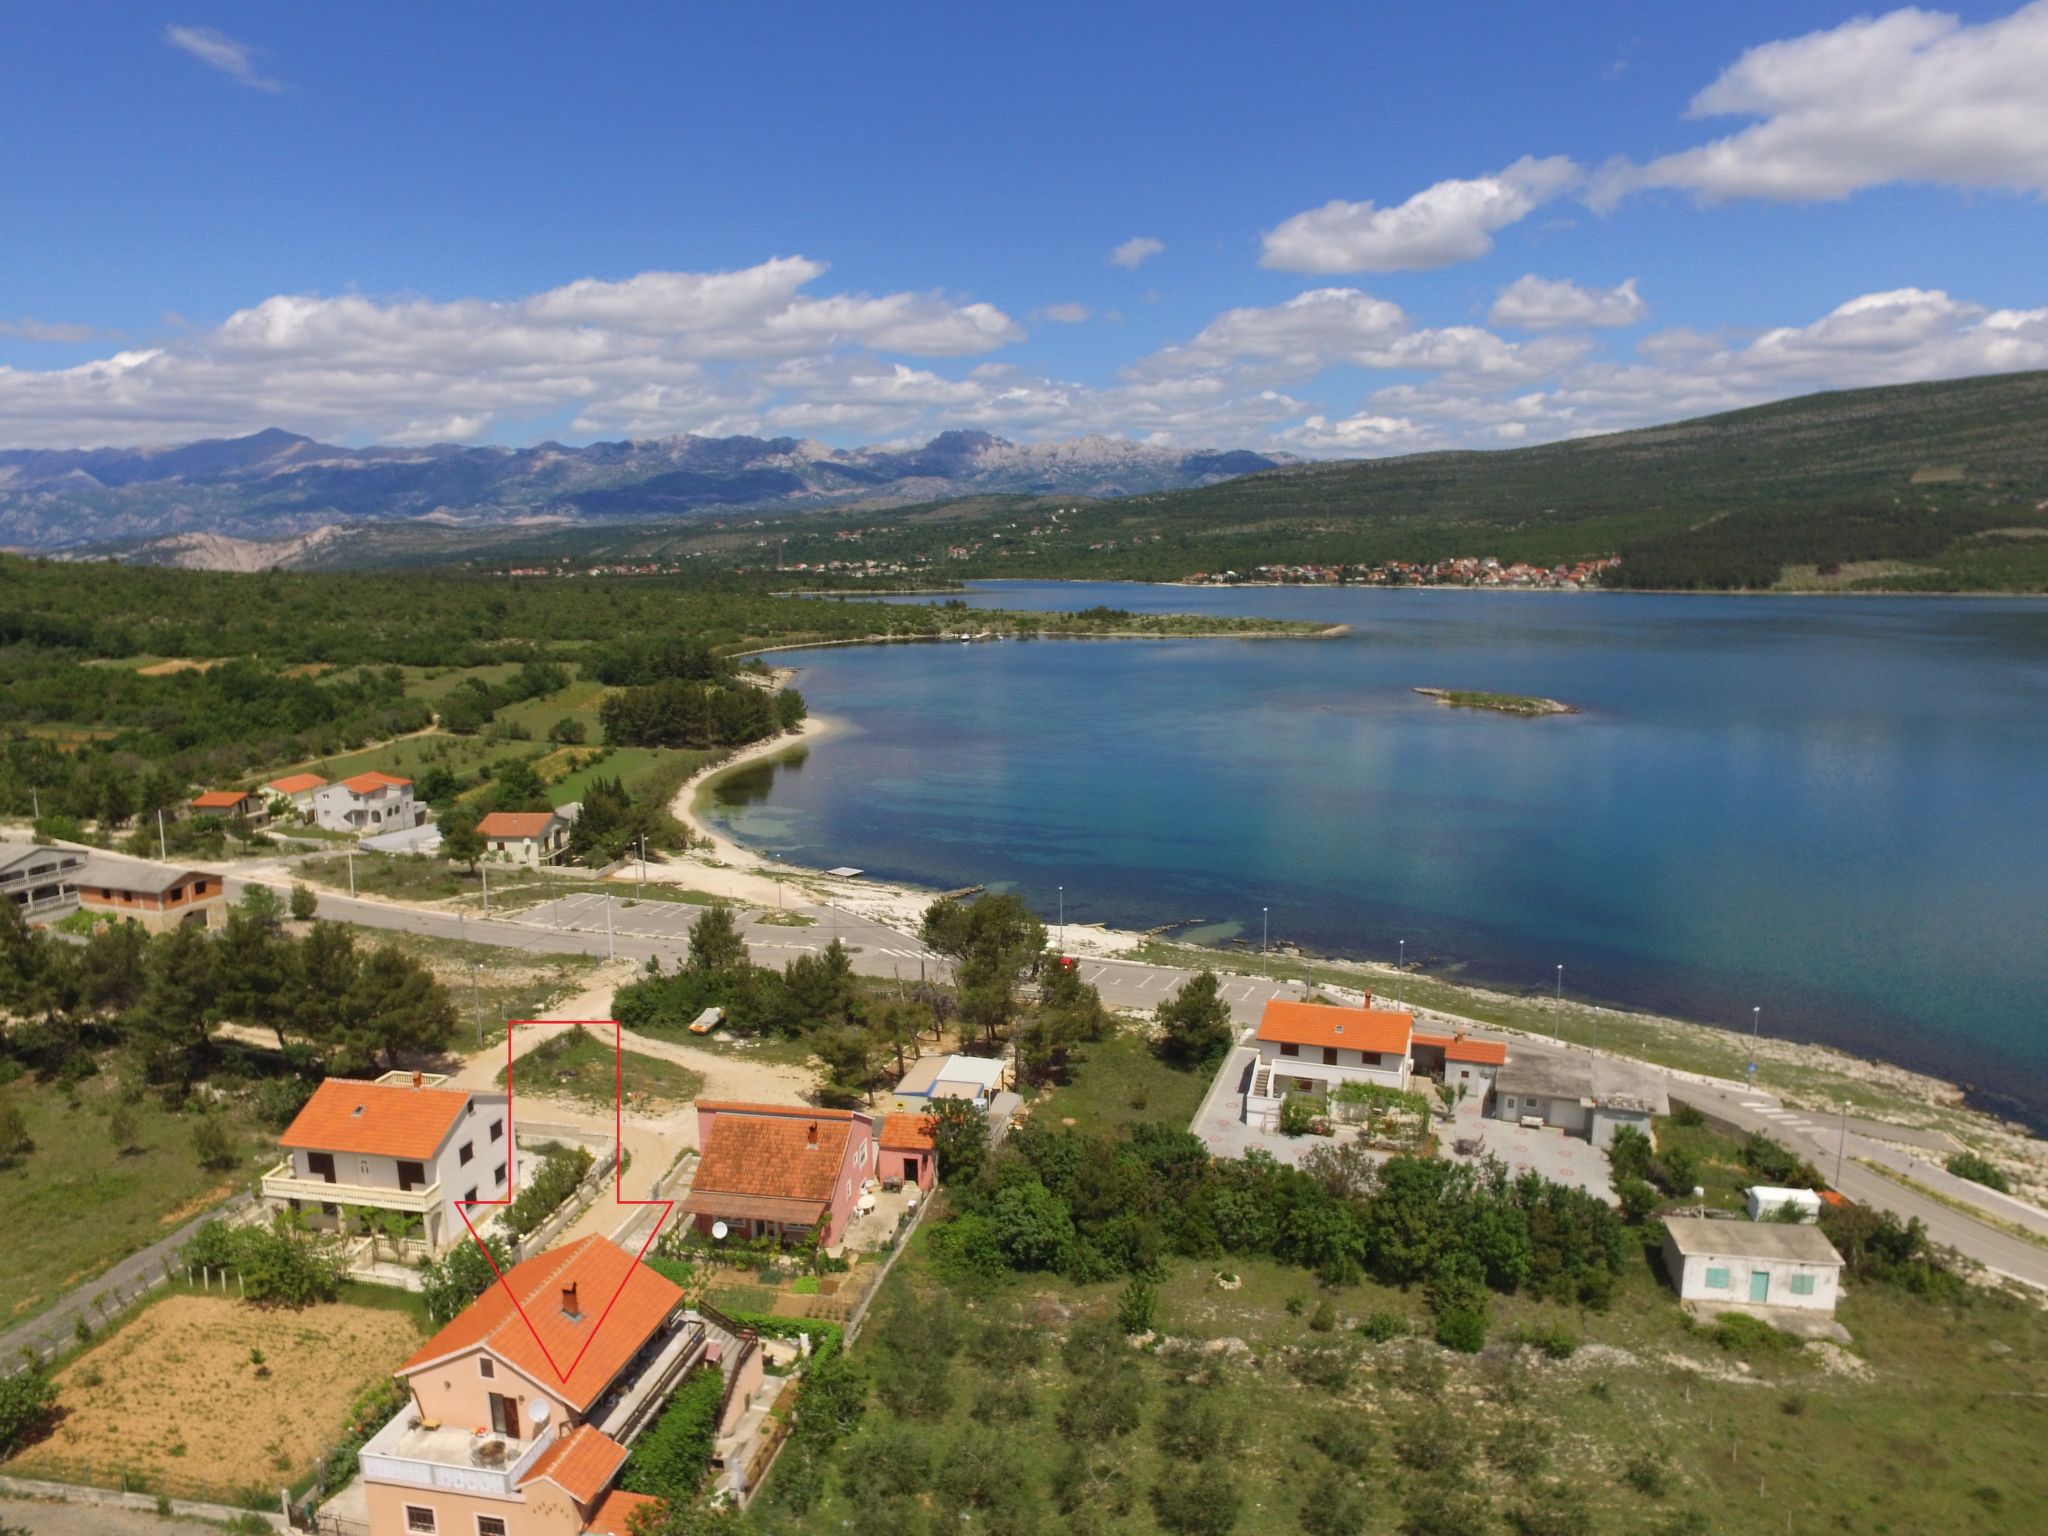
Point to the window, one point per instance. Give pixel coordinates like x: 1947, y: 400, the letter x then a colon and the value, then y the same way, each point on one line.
x: 497, y: 1130
x: 470, y: 1197
x: 418, y: 1517
x: 490, y: 1525
x: 1802, y: 1285
x: 486, y: 1367
x: 1289, y: 1048
x: 1717, y: 1279
x: 1329, y: 1055
x: 465, y: 1153
x: 1370, y: 1059
x: 500, y: 1173
x: 1511, y: 1101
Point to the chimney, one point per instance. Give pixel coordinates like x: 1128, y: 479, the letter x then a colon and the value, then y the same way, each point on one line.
x: 417, y: 1080
x: 811, y: 1136
x: 569, y: 1307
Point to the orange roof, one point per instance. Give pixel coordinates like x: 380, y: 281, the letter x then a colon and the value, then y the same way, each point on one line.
x: 616, y: 1512
x: 785, y: 1152
x: 1486, y: 1052
x: 380, y: 1119
x: 582, y: 1461
x: 515, y: 823
x: 370, y: 783
x: 908, y: 1131
x: 1355, y: 1029
x: 220, y: 799
x: 596, y: 1267
x: 295, y: 783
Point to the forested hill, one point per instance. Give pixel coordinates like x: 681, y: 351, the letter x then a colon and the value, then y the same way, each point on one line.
x: 1938, y: 486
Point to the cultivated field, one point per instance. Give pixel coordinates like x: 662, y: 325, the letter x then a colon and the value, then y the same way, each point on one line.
x: 174, y: 1397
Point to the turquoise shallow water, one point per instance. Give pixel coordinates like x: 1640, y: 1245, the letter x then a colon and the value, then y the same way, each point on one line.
x: 1831, y: 807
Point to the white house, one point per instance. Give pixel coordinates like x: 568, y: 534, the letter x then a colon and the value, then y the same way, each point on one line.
x: 1316, y: 1048
x: 1466, y: 1066
x: 532, y: 838
x: 296, y: 790
x: 1752, y: 1263
x: 1771, y: 1202
x: 1581, y: 1094
x: 976, y: 1079
x: 402, y: 1144
x: 369, y: 802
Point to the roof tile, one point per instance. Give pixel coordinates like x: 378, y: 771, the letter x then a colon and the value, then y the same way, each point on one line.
x: 377, y: 1119
x: 583, y: 1461
x: 1354, y: 1029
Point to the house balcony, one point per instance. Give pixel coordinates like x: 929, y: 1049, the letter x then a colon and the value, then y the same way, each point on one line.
x: 280, y: 1183
x: 411, y: 1452
x: 647, y: 1383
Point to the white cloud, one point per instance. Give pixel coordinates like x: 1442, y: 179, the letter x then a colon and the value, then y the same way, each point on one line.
x: 1533, y: 303
x: 1364, y: 435
x: 1911, y: 96
x: 1449, y: 222
x: 1136, y: 251
x: 1063, y: 314
x: 234, y: 59
x: 26, y: 329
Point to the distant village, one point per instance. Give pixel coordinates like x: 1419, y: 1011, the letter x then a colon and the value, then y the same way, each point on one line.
x: 1463, y: 571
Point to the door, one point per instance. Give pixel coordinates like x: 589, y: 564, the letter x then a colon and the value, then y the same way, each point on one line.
x: 321, y: 1166
x: 1759, y: 1285
x: 505, y: 1415
x: 411, y: 1175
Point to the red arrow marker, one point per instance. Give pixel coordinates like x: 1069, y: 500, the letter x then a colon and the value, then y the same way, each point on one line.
x: 618, y: 1183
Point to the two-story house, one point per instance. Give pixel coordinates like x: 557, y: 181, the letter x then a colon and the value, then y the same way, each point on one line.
x: 231, y: 802
x: 532, y: 838
x: 296, y: 790
x: 1315, y: 1048
x: 369, y: 802
x: 523, y: 1407
x: 39, y: 878
x: 402, y: 1143
x: 779, y: 1170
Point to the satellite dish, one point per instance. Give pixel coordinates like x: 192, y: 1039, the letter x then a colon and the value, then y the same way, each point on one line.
x: 537, y: 1410
x: 718, y: 1230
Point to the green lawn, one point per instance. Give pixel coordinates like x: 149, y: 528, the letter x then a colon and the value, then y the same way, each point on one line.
x: 1930, y: 1424
x: 579, y: 1064
x: 73, y: 1205
x: 1119, y: 1081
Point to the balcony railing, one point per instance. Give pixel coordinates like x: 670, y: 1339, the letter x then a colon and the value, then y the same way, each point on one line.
x: 280, y: 1183
x: 405, y: 1451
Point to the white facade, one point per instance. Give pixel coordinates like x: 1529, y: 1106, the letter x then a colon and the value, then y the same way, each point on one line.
x: 1769, y: 1202
x: 1321, y: 1068
x: 1752, y: 1264
x: 473, y: 1162
x: 353, y: 806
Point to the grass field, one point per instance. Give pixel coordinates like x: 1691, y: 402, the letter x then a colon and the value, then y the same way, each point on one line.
x: 1926, y: 1425
x: 1121, y: 1080
x: 578, y: 1065
x: 173, y: 1398
x: 73, y: 1205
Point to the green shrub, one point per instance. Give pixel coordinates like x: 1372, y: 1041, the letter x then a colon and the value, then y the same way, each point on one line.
x: 1555, y: 1342
x: 668, y: 1461
x: 1138, y: 1307
x: 1978, y: 1170
x: 552, y: 1183
x: 1303, y: 1114
x: 1687, y: 1115
x: 212, y: 1144
x: 1333, y: 1505
x: 1206, y: 1504
x: 1521, y: 1447
x: 1462, y: 1329
x: 1741, y: 1334
x: 28, y: 1406
x: 1382, y: 1326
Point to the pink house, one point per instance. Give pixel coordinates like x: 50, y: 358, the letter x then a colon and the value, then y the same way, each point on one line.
x: 496, y: 1441
x: 906, y: 1150
x: 779, y: 1169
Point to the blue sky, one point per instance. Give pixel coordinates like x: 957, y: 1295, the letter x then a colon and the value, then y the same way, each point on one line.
x: 1361, y: 229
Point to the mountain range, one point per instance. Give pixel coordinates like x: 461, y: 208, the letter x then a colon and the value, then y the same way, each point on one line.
x: 277, y: 488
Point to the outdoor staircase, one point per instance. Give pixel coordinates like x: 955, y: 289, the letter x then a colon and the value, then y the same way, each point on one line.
x: 1262, y: 1082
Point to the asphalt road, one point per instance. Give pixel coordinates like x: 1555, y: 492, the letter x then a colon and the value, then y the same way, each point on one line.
x: 577, y: 925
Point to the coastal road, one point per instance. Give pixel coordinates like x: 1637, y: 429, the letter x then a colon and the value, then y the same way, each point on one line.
x: 576, y: 925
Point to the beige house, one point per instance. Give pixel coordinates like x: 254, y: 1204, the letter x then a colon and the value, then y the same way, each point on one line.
x: 296, y: 790
x: 532, y: 838
x: 522, y: 1408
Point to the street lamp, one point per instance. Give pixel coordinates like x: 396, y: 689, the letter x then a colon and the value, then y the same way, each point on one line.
x: 1841, y: 1143
x: 476, y: 974
x: 1756, y: 1024
x: 1265, y: 932
x: 1403, y: 965
x: 1063, y: 919
x: 1560, y: 1005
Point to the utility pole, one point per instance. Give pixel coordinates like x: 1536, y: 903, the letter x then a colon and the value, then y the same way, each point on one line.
x: 1841, y: 1143
x: 487, y: 888
x: 476, y: 974
x: 643, y: 867
x: 161, y: 852
x: 351, y: 872
x: 35, y: 797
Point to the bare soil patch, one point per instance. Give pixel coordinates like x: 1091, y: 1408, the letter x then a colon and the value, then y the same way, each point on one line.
x: 175, y: 1396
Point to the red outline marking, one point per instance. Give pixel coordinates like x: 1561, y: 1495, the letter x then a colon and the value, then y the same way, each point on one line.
x: 618, y: 1186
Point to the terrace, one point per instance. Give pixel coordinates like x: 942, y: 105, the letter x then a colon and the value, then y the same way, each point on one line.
x: 280, y: 1183
x: 410, y: 1450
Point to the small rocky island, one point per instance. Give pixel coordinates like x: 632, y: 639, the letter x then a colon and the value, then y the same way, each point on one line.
x: 1500, y: 703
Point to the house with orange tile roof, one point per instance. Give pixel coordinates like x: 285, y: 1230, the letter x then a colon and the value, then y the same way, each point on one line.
x: 1466, y: 1066
x: 779, y: 1170
x: 1315, y: 1048
x: 297, y: 789
x: 532, y: 838
x: 368, y: 802
x: 905, y: 1150
x: 521, y: 1410
x: 401, y: 1144
x: 231, y: 802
